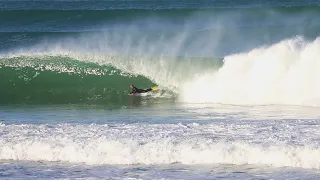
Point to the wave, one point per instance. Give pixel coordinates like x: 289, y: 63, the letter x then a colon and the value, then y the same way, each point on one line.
x: 283, y: 73
x: 61, y: 79
x: 177, y: 143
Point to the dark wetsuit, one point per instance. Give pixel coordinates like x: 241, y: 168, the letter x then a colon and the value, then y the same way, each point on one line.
x: 136, y: 90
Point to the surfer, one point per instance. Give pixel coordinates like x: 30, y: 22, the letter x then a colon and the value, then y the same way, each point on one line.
x: 136, y: 90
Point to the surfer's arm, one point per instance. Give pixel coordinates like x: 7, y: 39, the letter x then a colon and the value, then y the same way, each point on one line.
x: 134, y: 90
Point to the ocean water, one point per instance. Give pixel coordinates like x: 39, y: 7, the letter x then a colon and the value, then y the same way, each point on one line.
x: 239, y: 95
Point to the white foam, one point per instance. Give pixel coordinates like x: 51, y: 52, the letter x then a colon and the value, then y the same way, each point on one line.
x: 158, y: 144
x: 284, y: 73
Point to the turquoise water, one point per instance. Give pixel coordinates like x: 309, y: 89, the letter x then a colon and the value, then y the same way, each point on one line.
x: 238, y: 95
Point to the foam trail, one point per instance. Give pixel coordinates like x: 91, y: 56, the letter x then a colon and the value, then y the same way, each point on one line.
x: 284, y: 73
x: 176, y: 143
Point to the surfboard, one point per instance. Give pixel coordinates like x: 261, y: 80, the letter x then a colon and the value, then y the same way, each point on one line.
x: 154, y: 88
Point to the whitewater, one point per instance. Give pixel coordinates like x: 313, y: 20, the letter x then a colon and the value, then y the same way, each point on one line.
x: 199, y: 141
x: 189, y: 143
x: 284, y: 73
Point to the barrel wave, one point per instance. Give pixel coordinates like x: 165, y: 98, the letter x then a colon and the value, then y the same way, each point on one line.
x: 63, y: 80
x: 282, y: 73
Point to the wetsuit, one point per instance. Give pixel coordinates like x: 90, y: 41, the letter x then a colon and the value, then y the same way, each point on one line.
x: 136, y: 90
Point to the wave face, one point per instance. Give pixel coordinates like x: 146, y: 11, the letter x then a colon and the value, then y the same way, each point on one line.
x: 175, y: 143
x: 62, y: 80
x: 284, y: 73
x: 43, y: 79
